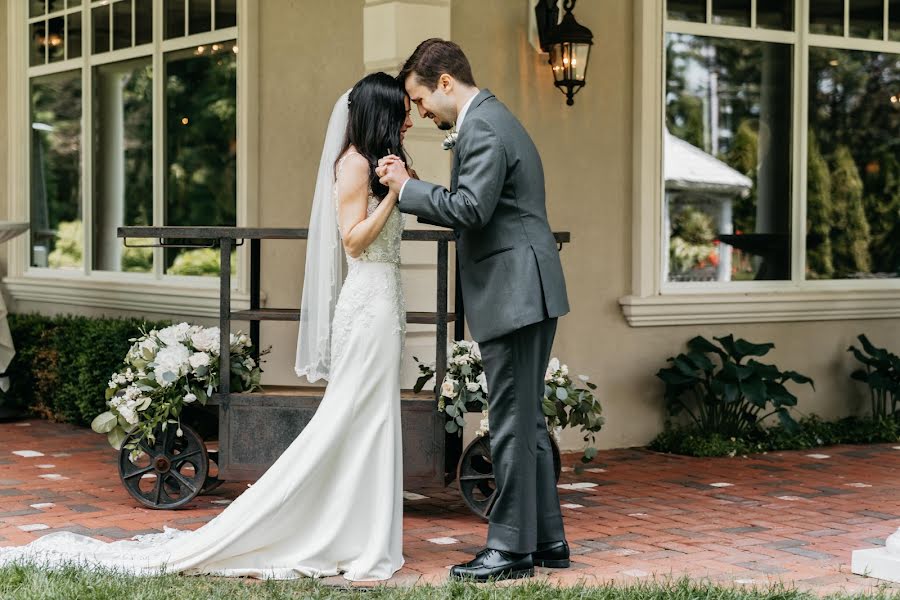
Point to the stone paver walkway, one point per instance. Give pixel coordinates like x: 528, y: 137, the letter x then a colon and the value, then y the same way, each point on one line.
x: 792, y: 517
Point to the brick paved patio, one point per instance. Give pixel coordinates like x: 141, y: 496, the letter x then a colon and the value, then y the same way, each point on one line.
x: 792, y: 517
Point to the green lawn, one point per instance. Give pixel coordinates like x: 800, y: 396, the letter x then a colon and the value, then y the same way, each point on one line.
x: 29, y: 583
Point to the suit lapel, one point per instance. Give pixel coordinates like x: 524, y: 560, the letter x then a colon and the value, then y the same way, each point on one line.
x: 454, y: 173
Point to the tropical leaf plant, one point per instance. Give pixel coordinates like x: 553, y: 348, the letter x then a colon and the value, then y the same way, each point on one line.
x: 725, y: 390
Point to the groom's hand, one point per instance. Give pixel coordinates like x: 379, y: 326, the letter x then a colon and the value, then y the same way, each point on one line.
x: 392, y: 173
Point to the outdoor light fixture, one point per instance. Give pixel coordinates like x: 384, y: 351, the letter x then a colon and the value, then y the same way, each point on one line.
x: 568, y: 44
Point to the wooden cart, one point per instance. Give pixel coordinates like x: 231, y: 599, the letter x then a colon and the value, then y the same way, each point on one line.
x: 255, y: 428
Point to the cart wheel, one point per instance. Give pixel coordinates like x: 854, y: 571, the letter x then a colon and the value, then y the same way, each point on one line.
x: 475, y: 475
x: 212, y: 481
x: 168, y: 474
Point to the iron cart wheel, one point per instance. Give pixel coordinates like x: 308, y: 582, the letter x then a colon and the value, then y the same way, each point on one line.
x: 475, y: 475
x: 168, y: 474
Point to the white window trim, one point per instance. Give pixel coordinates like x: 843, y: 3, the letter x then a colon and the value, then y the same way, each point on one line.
x: 652, y: 301
x: 139, y: 293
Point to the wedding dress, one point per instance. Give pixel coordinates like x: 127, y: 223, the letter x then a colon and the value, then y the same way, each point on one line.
x: 333, y: 502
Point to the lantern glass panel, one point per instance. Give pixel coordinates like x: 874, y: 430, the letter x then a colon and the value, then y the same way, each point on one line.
x: 580, y: 61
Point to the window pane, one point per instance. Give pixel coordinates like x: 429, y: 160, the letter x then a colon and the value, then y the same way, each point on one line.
x: 73, y: 37
x: 74, y: 3
x: 143, y: 22
x: 853, y: 194
x: 56, y: 230
x: 56, y: 39
x: 174, y: 18
x: 867, y: 19
x: 731, y: 12
x: 200, y: 16
x: 56, y: 5
x: 226, y: 13
x: 100, y: 15
x: 894, y: 20
x: 201, y: 148
x: 727, y: 159
x: 826, y: 16
x: 775, y: 14
x: 122, y: 25
x: 38, y: 43
x: 36, y: 8
x: 123, y: 173
x: 687, y: 10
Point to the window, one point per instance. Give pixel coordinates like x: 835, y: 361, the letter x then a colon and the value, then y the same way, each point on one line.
x: 130, y: 125
x: 739, y: 75
x: 765, y: 179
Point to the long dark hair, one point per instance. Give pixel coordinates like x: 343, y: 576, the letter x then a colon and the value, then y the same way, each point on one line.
x: 377, y: 112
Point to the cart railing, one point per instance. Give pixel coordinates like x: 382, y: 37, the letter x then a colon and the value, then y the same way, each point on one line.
x: 228, y: 238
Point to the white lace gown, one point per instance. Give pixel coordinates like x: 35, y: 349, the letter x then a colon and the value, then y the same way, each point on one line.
x: 332, y: 503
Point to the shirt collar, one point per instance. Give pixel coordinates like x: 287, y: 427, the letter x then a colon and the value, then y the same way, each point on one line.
x: 462, y: 113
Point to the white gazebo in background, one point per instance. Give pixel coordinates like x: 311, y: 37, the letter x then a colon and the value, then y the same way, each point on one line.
x: 696, y: 178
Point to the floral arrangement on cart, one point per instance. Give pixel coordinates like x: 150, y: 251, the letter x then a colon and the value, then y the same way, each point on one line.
x: 566, y: 403
x: 162, y: 461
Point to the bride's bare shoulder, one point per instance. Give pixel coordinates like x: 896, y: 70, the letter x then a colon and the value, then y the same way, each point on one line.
x: 354, y: 171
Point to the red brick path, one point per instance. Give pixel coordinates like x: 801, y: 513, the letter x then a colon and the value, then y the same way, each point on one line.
x: 792, y: 517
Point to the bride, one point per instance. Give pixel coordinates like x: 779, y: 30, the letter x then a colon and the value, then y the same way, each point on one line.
x: 332, y: 503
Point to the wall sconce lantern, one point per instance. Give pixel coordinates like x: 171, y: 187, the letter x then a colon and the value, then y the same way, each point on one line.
x: 568, y: 44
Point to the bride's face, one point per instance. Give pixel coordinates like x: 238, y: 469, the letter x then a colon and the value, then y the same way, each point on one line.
x: 408, y: 122
x: 436, y: 105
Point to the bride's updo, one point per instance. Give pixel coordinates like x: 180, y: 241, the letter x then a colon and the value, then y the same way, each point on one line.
x: 377, y: 113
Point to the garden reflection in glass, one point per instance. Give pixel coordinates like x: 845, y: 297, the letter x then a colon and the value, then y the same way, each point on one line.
x: 55, y: 203
x: 728, y: 154
x: 123, y: 162
x: 853, y: 166
x: 201, y: 148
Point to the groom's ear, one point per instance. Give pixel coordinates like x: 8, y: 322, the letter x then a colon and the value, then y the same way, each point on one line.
x: 445, y: 82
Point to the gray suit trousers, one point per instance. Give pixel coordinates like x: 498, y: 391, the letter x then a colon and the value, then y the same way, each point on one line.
x: 526, y: 511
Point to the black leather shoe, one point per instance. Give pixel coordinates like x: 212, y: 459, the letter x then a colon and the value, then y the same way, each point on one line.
x: 554, y: 555
x: 495, y: 565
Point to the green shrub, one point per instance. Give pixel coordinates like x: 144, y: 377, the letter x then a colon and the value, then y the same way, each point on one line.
x: 810, y: 432
x: 735, y: 397
x: 881, y: 374
x: 62, y: 364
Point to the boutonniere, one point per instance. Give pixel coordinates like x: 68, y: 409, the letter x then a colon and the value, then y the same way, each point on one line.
x: 450, y: 141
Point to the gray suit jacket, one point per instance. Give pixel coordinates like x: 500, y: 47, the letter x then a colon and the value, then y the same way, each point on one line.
x: 508, y: 259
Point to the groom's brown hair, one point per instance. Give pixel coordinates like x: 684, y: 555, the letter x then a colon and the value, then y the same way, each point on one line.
x: 434, y: 57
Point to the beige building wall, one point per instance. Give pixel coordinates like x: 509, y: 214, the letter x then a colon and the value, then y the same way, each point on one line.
x: 310, y: 52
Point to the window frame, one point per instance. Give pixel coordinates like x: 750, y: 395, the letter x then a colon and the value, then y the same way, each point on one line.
x: 183, y: 295
x: 655, y: 301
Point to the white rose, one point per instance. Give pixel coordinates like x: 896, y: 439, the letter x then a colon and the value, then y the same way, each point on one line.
x: 553, y: 367
x: 171, y: 359
x: 482, y: 381
x: 472, y: 386
x: 244, y: 340
x: 199, y: 359
x: 188, y: 398
x: 249, y: 363
x: 564, y: 369
x: 448, y: 388
x: 112, y: 384
x: 206, y: 340
x: 560, y: 381
x: 174, y: 334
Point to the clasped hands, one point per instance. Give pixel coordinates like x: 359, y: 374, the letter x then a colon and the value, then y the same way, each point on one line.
x: 392, y: 172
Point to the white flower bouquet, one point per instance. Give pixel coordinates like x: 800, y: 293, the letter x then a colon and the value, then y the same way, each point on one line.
x: 165, y: 370
x: 565, y: 404
x: 464, y: 382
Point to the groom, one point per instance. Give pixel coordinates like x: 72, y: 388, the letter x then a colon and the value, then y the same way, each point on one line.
x: 513, y: 289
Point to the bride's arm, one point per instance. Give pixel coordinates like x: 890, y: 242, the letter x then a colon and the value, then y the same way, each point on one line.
x: 357, y: 229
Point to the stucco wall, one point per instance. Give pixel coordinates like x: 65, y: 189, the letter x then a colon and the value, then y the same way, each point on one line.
x: 308, y: 57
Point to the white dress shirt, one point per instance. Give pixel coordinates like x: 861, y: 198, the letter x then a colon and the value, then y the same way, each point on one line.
x: 459, y: 122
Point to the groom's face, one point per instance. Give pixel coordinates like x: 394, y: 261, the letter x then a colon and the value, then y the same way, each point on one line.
x: 437, y: 104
